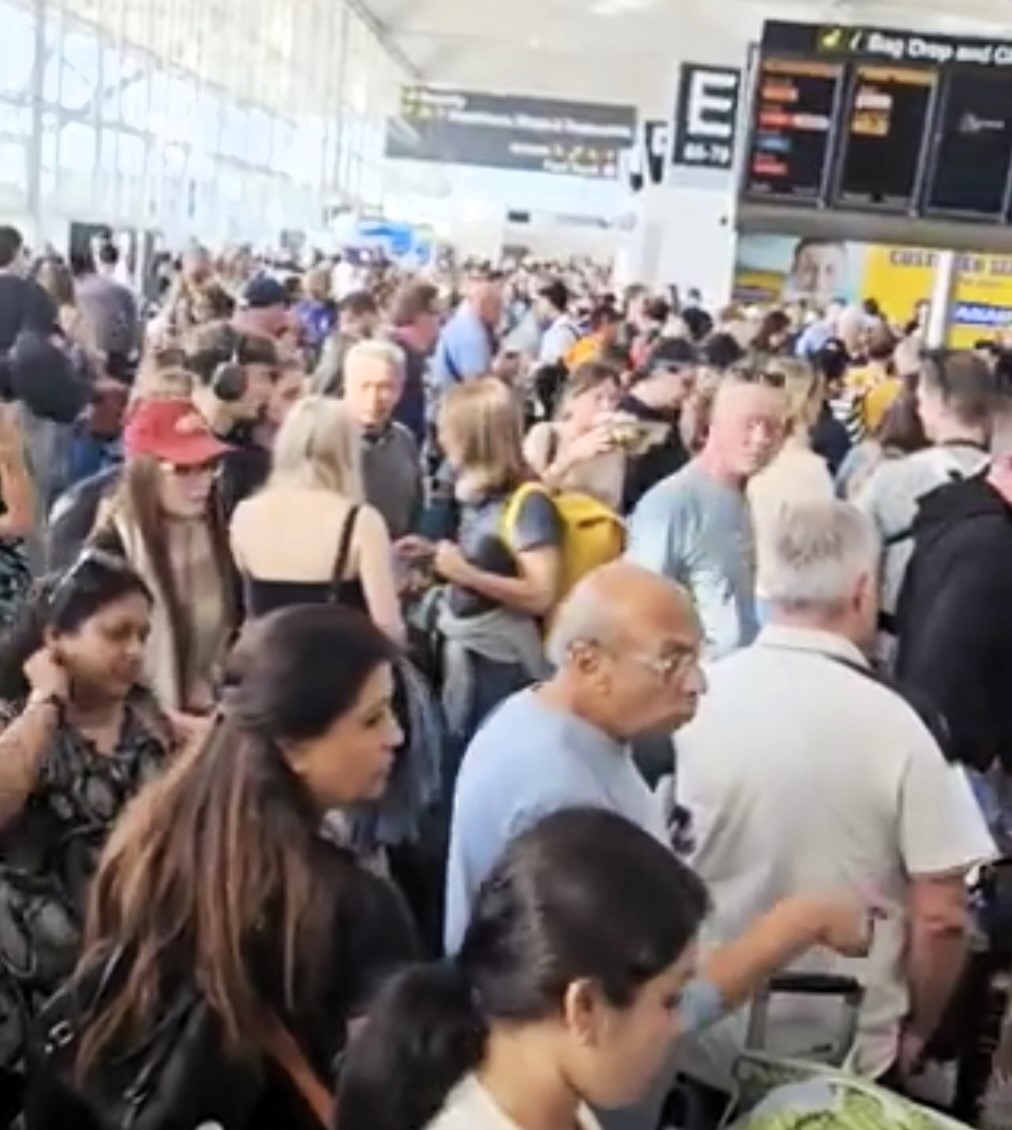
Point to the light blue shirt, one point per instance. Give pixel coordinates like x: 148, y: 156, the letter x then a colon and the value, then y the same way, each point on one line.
x: 528, y: 760
x: 698, y: 531
x: 464, y: 350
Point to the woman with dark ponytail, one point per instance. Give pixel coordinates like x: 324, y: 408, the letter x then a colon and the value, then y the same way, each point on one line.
x: 576, y: 975
x: 566, y: 990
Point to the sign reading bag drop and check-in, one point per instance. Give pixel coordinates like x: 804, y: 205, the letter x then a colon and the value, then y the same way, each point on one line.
x: 511, y: 132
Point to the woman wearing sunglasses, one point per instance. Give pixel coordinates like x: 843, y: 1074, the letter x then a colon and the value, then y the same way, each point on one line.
x: 78, y: 738
x: 164, y: 521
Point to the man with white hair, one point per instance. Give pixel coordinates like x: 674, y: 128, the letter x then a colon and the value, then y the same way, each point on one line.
x: 391, y: 467
x: 802, y: 770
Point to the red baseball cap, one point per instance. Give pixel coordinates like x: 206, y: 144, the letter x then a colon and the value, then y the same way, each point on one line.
x: 172, y: 431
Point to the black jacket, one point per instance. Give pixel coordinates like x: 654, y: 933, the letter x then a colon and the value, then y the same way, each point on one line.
x: 955, y: 618
x: 658, y: 461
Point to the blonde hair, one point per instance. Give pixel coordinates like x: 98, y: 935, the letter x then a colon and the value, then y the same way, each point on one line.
x: 482, y: 420
x: 803, y: 388
x: 319, y: 445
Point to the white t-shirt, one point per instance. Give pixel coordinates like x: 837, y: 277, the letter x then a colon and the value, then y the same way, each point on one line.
x: 803, y: 775
x: 470, y: 1107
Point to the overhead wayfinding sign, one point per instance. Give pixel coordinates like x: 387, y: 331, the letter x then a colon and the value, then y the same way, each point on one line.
x: 855, y: 119
x: 505, y: 132
x: 706, y: 116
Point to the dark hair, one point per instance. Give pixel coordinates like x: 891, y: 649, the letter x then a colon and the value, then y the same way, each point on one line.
x: 657, y: 310
x: 226, y: 839
x: 218, y: 343
x: 804, y: 244
x: 722, y: 352
x: 413, y: 301
x: 108, y: 253
x: 832, y: 360
x: 776, y: 324
x: 698, y: 322
x: 604, y: 315
x: 358, y: 304
x: 557, y: 293
x: 544, y: 918
x: 966, y: 383
x: 11, y: 243
x: 62, y: 603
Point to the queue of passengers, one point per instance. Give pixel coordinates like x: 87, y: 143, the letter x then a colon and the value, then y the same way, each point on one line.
x: 302, y: 704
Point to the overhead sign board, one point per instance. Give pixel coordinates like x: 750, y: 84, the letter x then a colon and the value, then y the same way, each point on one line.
x: 706, y: 116
x: 505, y: 132
x: 648, y: 158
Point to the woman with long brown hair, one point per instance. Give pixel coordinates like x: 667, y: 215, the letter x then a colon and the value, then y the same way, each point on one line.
x: 229, y: 942
x: 164, y: 521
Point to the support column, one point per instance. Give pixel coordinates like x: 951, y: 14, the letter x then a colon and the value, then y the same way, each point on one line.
x: 942, y: 294
x: 33, y: 144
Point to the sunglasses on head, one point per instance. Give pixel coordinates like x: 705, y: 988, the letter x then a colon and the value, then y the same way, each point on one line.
x: 759, y: 375
x: 88, y: 557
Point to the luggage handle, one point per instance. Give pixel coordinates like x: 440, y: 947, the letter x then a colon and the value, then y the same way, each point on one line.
x: 816, y: 985
x: 849, y: 989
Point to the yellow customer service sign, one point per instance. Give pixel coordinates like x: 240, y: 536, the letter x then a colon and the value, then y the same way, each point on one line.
x: 771, y: 268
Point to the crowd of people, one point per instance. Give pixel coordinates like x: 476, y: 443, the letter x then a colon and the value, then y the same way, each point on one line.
x: 448, y: 701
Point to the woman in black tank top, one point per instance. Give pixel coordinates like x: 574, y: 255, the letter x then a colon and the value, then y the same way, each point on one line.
x: 307, y: 537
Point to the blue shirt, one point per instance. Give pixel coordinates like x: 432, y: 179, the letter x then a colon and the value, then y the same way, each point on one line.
x: 698, y: 531
x: 506, y: 785
x: 465, y: 349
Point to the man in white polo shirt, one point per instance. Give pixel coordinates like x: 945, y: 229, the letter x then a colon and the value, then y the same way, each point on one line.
x: 803, y: 771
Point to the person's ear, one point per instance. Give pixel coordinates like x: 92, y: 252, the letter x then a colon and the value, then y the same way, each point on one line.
x: 581, y: 1012
x: 587, y: 659
x: 864, y: 591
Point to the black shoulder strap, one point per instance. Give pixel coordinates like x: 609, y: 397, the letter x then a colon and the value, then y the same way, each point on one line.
x: 343, y: 552
x: 930, y: 716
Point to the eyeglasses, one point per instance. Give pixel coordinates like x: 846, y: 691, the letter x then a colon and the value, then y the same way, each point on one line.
x: 667, y: 667
x: 187, y: 471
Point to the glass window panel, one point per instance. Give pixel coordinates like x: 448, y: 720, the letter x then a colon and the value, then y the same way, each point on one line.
x: 19, y: 48
x: 259, y: 152
x: 54, y: 59
x: 78, y: 147
x: 132, y: 153
x: 80, y: 69
x: 16, y: 120
x: 13, y: 169
x: 134, y: 103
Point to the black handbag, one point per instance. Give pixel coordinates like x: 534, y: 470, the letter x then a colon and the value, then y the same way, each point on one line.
x: 176, y: 1079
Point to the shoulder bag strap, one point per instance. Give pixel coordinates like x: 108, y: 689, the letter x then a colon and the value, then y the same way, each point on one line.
x: 343, y: 552
x: 287, y: 1054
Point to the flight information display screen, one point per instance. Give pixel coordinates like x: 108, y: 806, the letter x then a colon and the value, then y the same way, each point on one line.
x: 789, y: 152
x: 973, y: 154
x: 886, y: 128
x: 906, y: 125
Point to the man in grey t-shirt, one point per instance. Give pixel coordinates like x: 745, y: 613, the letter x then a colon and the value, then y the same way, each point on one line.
x: 695, y: 526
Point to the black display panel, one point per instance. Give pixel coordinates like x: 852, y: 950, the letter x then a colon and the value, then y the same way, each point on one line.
x: 885, y: 133
x: 792, y: 125
x: 970, y: 171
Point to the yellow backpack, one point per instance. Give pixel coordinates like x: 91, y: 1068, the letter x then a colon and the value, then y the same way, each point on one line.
x: 593, y: 534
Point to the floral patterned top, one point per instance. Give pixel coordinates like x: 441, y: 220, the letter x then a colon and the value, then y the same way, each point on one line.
x: 49, y: 853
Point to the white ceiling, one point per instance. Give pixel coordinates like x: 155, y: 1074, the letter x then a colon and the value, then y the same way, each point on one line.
x: 624, y: 50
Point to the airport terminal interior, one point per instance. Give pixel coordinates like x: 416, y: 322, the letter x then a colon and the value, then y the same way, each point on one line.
x: 498, y: 620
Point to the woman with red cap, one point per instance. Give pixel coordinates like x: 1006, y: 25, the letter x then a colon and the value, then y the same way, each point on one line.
x: 162, y: 519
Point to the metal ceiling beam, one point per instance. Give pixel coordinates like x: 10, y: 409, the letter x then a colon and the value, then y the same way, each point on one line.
x: 385, y: 36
